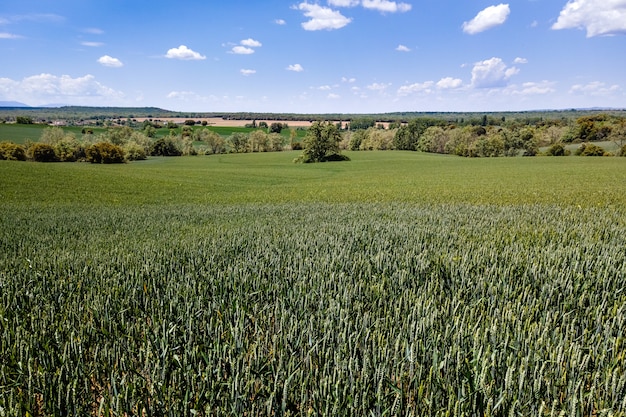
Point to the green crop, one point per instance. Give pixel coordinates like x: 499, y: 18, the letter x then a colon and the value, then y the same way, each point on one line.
x: 168, y: 303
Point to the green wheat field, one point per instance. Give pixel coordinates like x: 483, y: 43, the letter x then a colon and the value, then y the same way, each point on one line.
x: 396, y: 284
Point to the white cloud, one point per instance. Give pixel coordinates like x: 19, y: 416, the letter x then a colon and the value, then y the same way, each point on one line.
x: 242, y: 50
x: 386, y: 6
x: 598, y: 17
x: 486, y: 19
x: 251, y: 43
x: 109, y: 61
x: 94, y: 31
x: 333, y: 96
x: 184, y: 53
x: 92, y: 44
x: 247, y: 72
x: 348, y: 80
x: 491, y: 73
x: 595, y: 88
x: 280, y: 22
x: 426, y: 87
x: 5, y: 35
x: 324, y: 88
x: 322, y: 18
x: 344, y: 3
x: 449, y: 83
x: 532, y: 88
x: 519, y: 60
x: 380, y: 87
x: 402, y: 48
x: 48, y: 88
x: 295, y: 68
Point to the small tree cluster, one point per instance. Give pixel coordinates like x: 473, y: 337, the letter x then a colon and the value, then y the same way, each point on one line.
x: 321, y: 144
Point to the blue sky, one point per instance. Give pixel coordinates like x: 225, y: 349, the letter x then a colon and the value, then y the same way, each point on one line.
x: 326, y: 56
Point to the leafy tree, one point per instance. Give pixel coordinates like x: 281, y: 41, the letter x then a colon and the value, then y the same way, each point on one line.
x: 362, y: 123
x: 190, y: 122
x: 24, y: 120
x: 321, y: 144
x: 258, y: 141
x: 165, y: 147
x: 276, y: 127
x: 214, y: 141
x: 276, y: 142
x: 239, y: 142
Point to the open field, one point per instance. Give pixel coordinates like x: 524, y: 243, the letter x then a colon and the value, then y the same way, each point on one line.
x: 398, y: 283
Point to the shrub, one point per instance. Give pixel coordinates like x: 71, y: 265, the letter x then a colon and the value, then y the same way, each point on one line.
x: 556, y: 150
x: 622, y: 151
x: 165, y: 147
x: 12, y: 152
x: 42, y: 152
x: 589, y: 149
x: 134, y: 151
x: 69, y: 150
x: 105, y: 153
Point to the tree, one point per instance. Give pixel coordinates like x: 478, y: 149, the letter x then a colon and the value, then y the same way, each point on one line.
x: 239, y: 142
x: 165, y: 147
x: 214, y: 141
x: 321, y: 144
x: 276, y: 127
x: 24, y: 120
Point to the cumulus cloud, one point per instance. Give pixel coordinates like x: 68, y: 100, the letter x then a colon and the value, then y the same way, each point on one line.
x: 334, y: 96
x: 488, y: 18
x: 49, y: 88
x: 322, y: 18
x: 403, y: 48
x: 417, y: 88
x: 184, y: 53
x: 598, y: 17
x: 492, y: 73
x: 242, y: 50
x: 386, y: 6
x: 109, y: 61
x: 247, y: 72
x: 280, y: 22
x: 251, y: 43
x: 448, y: 83
x: 295, y: 68
x: 519, y: 60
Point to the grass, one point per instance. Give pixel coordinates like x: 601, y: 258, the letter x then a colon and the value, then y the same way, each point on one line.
x: 19, y: 134
x: 398, y: 283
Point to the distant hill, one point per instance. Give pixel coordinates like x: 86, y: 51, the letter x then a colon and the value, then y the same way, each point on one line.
x: 12, y: 104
